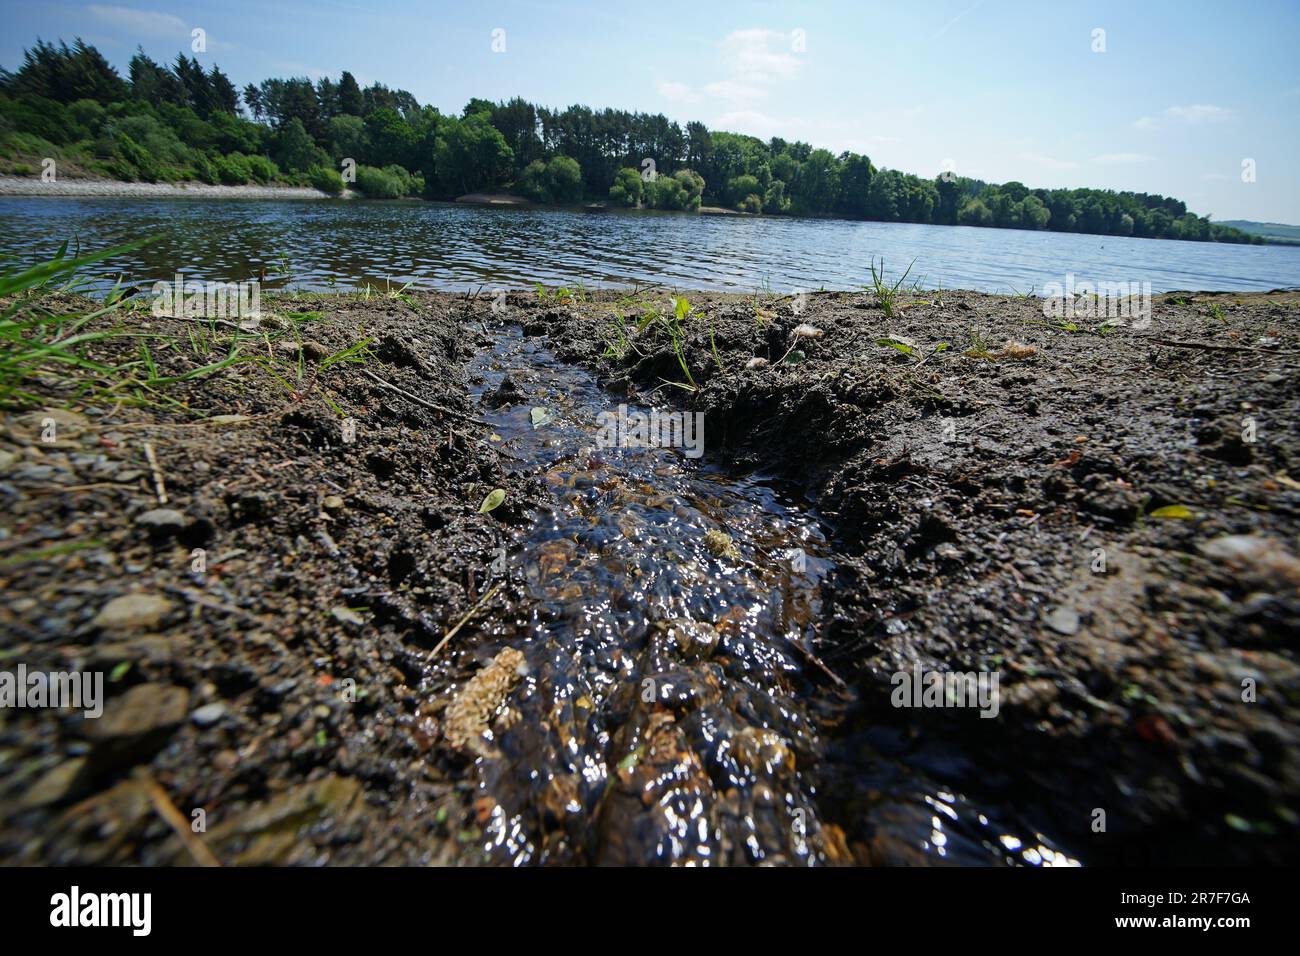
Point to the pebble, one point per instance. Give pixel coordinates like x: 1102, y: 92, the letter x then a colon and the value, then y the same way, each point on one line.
x: 208, y: 714
x: 162, y: 522
x: 133, y: 612
x: 143, y: 716
x: 1063, y: 620
x: 333, y: 504
x: 346, y: 615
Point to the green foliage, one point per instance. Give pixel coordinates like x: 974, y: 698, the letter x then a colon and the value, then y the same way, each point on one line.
x: 183, y: 116
x: 886, y: 293
x: 348, y: 138
x: 556, y: 181
x: 296, y: 150
x: 682, y: 190
x: 232, y: 170
x: 391, y: 182
x: 471, y: 154
x: 626, y: 190
x: 326, y: 180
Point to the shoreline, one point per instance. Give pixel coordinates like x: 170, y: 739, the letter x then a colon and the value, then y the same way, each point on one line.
x: 110, y: 188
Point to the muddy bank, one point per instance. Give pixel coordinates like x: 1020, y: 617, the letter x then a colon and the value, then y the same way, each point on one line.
x: 1105, y: 518
x: 284, y: 684
x: 318, y: 691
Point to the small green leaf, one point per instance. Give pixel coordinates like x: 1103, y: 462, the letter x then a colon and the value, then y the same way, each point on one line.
x: 493, y: 500
x: 1173, y: 511
x: 541, y: 416
x: 795, y: 357
x: 942, y: 347
x: 905, y: 346
x: 118, y: 672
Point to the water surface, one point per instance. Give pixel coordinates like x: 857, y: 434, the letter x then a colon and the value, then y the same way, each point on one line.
x: 324, y: 244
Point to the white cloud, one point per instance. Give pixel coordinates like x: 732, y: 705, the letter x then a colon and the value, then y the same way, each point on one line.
x: 1196, y: 113
x: 749, y: 122
x: 147, y: 22
x: 1117, y: 158
x: 733, y: 91
x: 750, y: 57
x: 1049, y: 162
x: 678, y: 92
x: 1200, y: 113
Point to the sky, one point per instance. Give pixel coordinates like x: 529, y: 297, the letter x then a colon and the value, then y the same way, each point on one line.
x: 1197, y: 100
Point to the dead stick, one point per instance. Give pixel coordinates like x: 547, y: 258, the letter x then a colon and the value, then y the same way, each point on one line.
x: 167, y: 810
x: 420, y: 401
x: 814, y: 659
x: 1213, y: 347
x: 159, y: 489
x: 461, y: 623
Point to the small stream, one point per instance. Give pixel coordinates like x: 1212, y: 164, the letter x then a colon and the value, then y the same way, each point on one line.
x: 672, y: 706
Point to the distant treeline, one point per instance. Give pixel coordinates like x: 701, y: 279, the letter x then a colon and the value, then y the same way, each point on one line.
x: 181, y: 122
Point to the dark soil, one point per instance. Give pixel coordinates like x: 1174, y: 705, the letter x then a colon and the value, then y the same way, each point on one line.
x: 968, y: 490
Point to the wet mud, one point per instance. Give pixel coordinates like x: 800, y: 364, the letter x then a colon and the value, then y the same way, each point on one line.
x: 639, y: 656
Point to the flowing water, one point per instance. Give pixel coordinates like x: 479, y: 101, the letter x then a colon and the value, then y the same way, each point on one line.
x: 317, y: 244
x: 672, y: 706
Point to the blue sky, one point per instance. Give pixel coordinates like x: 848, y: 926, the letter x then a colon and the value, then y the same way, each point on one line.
x: 998, y: 89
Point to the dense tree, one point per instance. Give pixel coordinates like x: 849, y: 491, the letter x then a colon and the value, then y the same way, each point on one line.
x: 351, y: 101
x: 182, y: 121
x: 471, y: 154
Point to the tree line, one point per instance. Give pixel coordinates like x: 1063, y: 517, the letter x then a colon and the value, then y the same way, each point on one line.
x: 178, y: 121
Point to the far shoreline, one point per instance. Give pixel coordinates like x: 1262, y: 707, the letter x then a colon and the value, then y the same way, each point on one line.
x: 106, y: 188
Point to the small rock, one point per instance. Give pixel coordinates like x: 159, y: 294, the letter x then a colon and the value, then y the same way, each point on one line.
x: 1063, y: 620
x: 346, y: 615
x: 133, y: 612
x: 61, y: 783
x: 162, y: 522
x: 208, y: 714
x: 333, y: 504
x: 137, y: 724
x: 1256, y: 557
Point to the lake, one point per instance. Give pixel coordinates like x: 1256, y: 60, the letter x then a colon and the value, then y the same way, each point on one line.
x: 323, y: 244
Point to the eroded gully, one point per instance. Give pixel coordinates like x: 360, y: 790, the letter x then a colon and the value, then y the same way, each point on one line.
x: 665, y: 701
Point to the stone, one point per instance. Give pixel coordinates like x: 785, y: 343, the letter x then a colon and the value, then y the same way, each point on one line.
x: 1063, y: 620
x: 133, y: 612
x: 162, y: 522
x: 208, y: 714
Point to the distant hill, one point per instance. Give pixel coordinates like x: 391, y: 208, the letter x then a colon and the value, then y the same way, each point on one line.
x: 1278, y: 232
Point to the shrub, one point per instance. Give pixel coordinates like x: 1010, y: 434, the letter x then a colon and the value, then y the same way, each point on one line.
x: 556, y: 181
x: 681, y: 190
x: 380, y: 183
x: 262, y: 169
x: 135, y: 161
x: 325, y: 179
x: 626, y: 190
x: 232, y: 170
